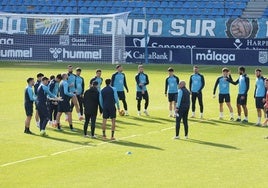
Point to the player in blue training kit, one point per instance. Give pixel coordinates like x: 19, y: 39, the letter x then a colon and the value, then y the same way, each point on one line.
x: 243, y: 87
x: 259, y: 94
x: 119, y: 83
x: 142, y: 81
x: 39, y: 77
x: 97, y: 78
x: 64, y: 105
x: 108, y: 98
x: 53, y: 105
x: 182, y: 109
x: 42, y: 96
x: 197, y: 83
x: 224, y: 92
x: 171, y: 89
x: 80, y: 86
x: 29, y: 98
x: 72, y: 88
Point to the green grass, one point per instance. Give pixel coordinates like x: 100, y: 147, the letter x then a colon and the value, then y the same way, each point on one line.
x: 218, y: 153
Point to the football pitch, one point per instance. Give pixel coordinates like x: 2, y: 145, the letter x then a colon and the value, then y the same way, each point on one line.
x: 218, y: 153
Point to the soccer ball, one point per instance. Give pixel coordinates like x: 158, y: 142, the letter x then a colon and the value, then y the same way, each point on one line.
x: 122, y: 112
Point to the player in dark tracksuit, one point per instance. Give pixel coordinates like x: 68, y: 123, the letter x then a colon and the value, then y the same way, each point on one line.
x: 29, y: 98
x: 91, y: 104
x: 39, y: 77
x: 183, y: 105
x: 243, y: 87
x: 197, y: 83
x: 142, y: 81
x: 108, y: 98
x: 42, y: 107
x: 119, y: 82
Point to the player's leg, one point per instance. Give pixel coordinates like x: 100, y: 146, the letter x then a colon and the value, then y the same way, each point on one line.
x: 228, y: 103
x: 193, y: 99
x: 80, y: 101
x: 105, y: 116
x: 178, y: 124
x: 185, y: 122
x: 238, y: 106
x: 70, y: 121
x: 50, y: 112
x: 55, y: 112
x: 37, y: 119
x: 200, y: 101
x: 76, y: 105
x: 259, y: 106
x: 58, y: 119
x: 266, y: 119
x: 93, y: 125
x: 113, y: 129
x: 146, y: 104
x: 87, y: 116
x: 122, y: 97
x: 139, y: 98
x: 29, y: 114
x: 221, y: 98
x: 170, y: 102
x: 245, y: 109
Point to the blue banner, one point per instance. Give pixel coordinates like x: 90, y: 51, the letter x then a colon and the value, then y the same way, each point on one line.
x: 157, y: 27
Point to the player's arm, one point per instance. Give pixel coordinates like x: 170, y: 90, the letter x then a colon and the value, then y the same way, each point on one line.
x: 46, y: 90
x: 116, y: 99
x: 216, y: 85
x: 91, y: 81
x: 202, y: 83
x: 177, y: 80
x: 147, y: 80
x: 83, y: 86
x: 247, y: 84
x: 31, y: 94
x: 190, y: 84
x: 65, y: 90
x: 101, y: 100
x: 125, y: 82
x: 166, y: 86
x: 51, y: 86
x: 230, y: 79
x: 179, y: 99
x: 138, y: 81
x: 113, y: 79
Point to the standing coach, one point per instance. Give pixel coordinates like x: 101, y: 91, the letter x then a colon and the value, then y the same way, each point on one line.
x: 183, y: 105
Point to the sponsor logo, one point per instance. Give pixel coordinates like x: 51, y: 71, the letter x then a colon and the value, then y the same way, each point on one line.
x: 257, y: 43
x: 263, y: 57
x: 8, y: 41
x: 71, y: 54
x: 165, y: 56
x: 237, y: 43
x: 17, y: 53
x: 64, y: 40
x: 241, y: 28
x: 214, y: 56
x: 141, y: 42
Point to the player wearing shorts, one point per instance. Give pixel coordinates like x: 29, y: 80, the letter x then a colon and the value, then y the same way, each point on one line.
x: 80, y: 86
x: 39, y: 77
x: 243, y: 87
x: 29, y: 98
x: 197, y: 83
x: 171, y: 90
x: 142, y: 81
x: 97, y: 78
x: 224, y: 92
x: 108, y: 98
x: 53, y: 105
x: 119, y: 83
x: 64, y: 105
x: 259, y: 94
x: 42, y: 96
x: 266, y: 105
x: 72, y: 88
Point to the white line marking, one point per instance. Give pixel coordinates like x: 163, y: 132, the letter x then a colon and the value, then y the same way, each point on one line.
x: 24, y: 160
x: 69, y: 150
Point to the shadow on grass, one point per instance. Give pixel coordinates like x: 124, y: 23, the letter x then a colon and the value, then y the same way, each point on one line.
x: 202, y: 121
x: 86, y: 143
x: 136, y: 145
x: 212, y: 144
x: 145, y: 119
x: 231, y: 122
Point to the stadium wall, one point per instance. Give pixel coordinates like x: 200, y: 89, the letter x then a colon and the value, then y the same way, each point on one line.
x: 178, y: 41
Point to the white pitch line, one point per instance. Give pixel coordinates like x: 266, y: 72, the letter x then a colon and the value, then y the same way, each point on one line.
x: 24, y: 160
x: 69, y: 150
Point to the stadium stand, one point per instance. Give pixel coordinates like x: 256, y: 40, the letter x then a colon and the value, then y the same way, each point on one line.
x: 168, y: 8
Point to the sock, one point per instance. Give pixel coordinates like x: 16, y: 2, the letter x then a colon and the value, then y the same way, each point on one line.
x: 259, y: 120
x: 71, y: 126
x: 201, y: 115
x: 246, y: 118
x: 232, y: 115
x: 221, y: 114
x: 112, y: 133
x: 103, y: 133
x: 79, y: 115
x: 238, y: 117
x: 139, y: 112
x: 170, y: 112
x: 66, y: 116
x: 193, y: 113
